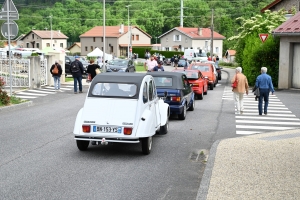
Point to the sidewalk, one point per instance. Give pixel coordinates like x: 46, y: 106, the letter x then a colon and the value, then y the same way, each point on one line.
x: 260, y: 166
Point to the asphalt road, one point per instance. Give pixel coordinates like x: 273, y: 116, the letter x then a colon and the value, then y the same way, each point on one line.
x: 39, y: 158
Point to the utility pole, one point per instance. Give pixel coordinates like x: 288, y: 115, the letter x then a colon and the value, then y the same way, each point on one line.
x: 129, y: 32
x: 104, y: 49
x: 181, y: 13
x: 51, y: 30
x: 212, y: 34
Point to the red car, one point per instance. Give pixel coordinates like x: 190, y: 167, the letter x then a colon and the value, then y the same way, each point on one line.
x: 199, y: 83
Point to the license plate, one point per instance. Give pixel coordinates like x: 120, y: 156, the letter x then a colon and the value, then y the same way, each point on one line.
x: 107, y: 129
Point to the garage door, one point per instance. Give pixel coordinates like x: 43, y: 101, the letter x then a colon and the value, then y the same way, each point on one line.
x: 296, y: 66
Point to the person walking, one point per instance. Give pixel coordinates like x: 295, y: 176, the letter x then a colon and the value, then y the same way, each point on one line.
x: 176, y: 62
x: 149, y: 64
x: 172, y: 61
x: 159, y: 67
x: 76, y: 69
x: 56, y: 72
x: 265, y: 85
x: 91, y: 69
x: 240, y: 89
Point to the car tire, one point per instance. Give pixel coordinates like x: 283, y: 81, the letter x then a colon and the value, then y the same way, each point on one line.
x: 211, y: 87
x: 146, y: 145
x: 164, y: 129
x: 182, y: 115
x: 82, y: 144
x: 220, y: 78
x: 192, y: 108
x: 200, y: 96
x: 205, y: 93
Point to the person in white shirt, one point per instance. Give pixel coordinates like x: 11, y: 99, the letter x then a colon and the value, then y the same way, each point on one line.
x: 150, y: 64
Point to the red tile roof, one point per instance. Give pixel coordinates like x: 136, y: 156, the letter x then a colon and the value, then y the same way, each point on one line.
x: 47, y: 34
x: 231, y: 52
x: 270, y: 5
x: 110, y: 31
x: 289, y: 27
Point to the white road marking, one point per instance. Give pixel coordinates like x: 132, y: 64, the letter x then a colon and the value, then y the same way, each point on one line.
x: 39, y: 91
x: 25, y: 97
x: 265, y: 127
x: 247, y: 132
x: 264, y: 117
x: 280, y: 115
x: 269, y: 111
x: 266, y: 122
x: 31, y: 94
x: 269, y: 107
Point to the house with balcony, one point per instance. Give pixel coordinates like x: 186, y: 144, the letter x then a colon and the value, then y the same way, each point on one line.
x: 117, y: 39
x: 42, y: 39
x: 181, y: 38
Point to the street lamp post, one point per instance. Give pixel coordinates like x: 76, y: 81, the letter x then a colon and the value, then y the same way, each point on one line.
x: 129, y: 32
x: 104, y: 49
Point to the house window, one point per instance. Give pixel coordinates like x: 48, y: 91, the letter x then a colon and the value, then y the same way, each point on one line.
x: 111, y: 49
x: 91, y: 48
x: 132, y: 37
x: 217, y: 49
x: 32, y: 36
x: 102, y: 39
x: 167, y: 49
x: 27, y: 45
x: 177, y: 37
x: 37, y: 45
x: 137, y: 37
x: 61, y: 45
x: 86, y: 48
x: 94, y: 39
x: 166, y: 39
x: 47, y: 44
x: 102, y: 48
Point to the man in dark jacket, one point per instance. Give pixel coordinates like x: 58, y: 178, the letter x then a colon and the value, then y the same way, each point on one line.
x: 56, y: 72
x: 77, y: 70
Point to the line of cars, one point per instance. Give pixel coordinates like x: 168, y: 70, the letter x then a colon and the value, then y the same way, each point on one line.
x: 133, y: 107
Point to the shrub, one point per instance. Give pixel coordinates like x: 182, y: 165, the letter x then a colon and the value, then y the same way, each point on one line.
x: 4, y: 98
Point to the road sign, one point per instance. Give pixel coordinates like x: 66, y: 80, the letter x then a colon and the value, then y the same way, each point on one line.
x: 13, y: 29
x: 12, y: 11
x: 263, y: 36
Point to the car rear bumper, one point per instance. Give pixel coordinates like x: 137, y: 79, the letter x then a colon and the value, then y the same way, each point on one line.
x: 197, y: 90
x: 109, y: 139
x: 176, y: 109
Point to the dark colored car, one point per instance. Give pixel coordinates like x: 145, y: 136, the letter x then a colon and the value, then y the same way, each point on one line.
x: 180, y: 95
x: 120, y: 65
x: 69, y: 60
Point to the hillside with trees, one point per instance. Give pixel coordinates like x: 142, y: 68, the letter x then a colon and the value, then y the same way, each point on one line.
x: 74, y: 17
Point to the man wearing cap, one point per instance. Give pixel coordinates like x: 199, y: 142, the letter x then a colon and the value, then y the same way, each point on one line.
x: 56, y: 72
x: 149, y: 64
x: 159, y: 67
x: 77, y: 70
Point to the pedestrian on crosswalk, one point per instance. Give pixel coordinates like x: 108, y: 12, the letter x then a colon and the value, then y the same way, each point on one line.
x: 265, y: 85
x: 240, y: 89
x: 56, y: 72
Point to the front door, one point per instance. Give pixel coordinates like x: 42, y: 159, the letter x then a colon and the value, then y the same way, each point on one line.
x: 155, y: 99
x: 152, y: 105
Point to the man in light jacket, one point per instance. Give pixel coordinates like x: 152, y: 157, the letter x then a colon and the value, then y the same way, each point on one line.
x: 238, y: 92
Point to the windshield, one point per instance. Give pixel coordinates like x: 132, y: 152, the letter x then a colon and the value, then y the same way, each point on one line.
x: 201, y: 68
x: 114, y: 89
x: 118, y: 62
x: 189, y: 74
x: 163, y: 81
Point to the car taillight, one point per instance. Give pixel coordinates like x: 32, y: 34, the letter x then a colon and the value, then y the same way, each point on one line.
x: 196, y: 84
x: 86, y: 128
x: 177, y: 99
x: 127, y: 131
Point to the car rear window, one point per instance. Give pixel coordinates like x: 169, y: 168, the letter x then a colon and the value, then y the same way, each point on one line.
x: 201, y: 68
x: 114, y: 89
x: 189, y: 74
x: 163, y: 81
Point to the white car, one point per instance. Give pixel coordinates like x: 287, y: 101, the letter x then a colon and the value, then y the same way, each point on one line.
x: 121, y: 107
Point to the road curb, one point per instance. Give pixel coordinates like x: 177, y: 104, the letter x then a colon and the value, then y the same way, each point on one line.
x: 204, y: 185
x: 16, y: 106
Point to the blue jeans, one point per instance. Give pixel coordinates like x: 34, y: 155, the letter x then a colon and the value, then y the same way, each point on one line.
x: 56, y: 82
x: 79, y: 79
x: 264, y: 94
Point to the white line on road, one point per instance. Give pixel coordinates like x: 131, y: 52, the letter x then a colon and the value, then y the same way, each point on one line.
x: 266, y: 122
x: 270, y: 114
x: 269, y: 111
x: 31, y: 94
x: 246, y: 132
x: 25, y: 97
x: 39, y: 91
x: 264, y: 117
x: 265, y: 127
x: 269, y: 107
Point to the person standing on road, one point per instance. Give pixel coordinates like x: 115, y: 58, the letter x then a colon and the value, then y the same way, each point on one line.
x: 238, y: 92
x: 172, y: 61
x: 159, y: 67
x: 77, y: 70
x: 265, y: 85
x: 176, y: 62
x: 217, y: 60
x: 56, y: 72
x: 91, y: 69
x: 150, y: 64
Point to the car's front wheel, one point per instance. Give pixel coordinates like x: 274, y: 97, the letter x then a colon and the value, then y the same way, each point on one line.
x: 182, y: 115
x: 146, y: 145
x: 82, y: 144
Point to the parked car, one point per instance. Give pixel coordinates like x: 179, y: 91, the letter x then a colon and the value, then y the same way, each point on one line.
x: 218, y: 69
x: 207, y: 70
x: 182, y: 62
x: 69, y: 60
x: 167, y: 61
x: 122, y: 108
x: 180, y: 95
x: 198, y: 81
x: 121, y: 65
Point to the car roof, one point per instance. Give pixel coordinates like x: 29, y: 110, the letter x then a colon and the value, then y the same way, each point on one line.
x: 117, y: 77
x: 186, y: 70
x: 176, y: 81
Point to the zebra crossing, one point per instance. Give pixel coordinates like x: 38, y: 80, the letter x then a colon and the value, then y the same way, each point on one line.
x: 279, y: 117
x: 36, y: 93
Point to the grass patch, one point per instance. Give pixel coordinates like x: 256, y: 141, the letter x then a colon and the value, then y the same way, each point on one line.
x: 68, y: 79
x: 140, y: 68
x: 13, y: 100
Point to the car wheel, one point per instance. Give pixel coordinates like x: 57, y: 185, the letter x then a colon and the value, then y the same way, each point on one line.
x: 211, y: 87
x: 205, y: 93
x: 164, y: 129
x: 182, y: 115
x: 82, y: 144
x: 192, y: 106
x: 220, y: 78
x: 200, y: 96
x: 146, y: 145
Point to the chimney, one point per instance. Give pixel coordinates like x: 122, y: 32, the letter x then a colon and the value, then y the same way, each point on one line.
x: 200, y: 31
x: 121, y: 29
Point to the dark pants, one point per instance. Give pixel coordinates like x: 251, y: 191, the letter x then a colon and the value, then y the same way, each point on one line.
x: 79, y: 79
x: 264, y: 94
